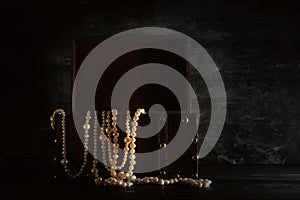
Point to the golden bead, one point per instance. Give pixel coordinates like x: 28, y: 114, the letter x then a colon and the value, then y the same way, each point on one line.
x: 95, y: 161
x: 163, y: 145
x: 52, y: 125
x: 196, y: 140
x: 116, y: 134
x: 126, y: 149
x: 132, y: 145
x: 196, y: 157
x: 55, y: 140
x: 108, y: 130
x: 94, y: 171
x: 133, y: 134
x: 122, y: 175
x: 134, y: 123
x: 127, y: 140
x: 132, y: 151
x: 64, y: 162
x: 162, y: 172
x: 113, y: 173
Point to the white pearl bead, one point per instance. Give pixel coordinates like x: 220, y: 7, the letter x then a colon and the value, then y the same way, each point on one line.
x: 131, y: 167
x: 161, y: 181
x: 133, y: 177
x: 120, y: 183
x: 86, y: 126
x: 209, y: 182
x: 206, y: 183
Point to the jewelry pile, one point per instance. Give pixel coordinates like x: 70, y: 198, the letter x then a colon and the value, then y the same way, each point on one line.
x: 109, y: 146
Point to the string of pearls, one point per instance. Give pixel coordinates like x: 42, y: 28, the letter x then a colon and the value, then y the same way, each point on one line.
x: 86, y: 128
x: 121, y: 179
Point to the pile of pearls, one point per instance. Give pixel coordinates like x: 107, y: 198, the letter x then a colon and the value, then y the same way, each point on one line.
x: 118, y: 179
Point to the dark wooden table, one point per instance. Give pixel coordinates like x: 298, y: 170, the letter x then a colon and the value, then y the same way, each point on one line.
x: 229, y: 182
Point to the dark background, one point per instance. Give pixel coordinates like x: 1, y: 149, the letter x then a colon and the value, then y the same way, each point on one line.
x: 255, y: 44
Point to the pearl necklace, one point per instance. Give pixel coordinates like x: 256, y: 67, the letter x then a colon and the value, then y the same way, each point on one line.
x: 121, y: 179
x: 86, y: 128
x: 118, y: 179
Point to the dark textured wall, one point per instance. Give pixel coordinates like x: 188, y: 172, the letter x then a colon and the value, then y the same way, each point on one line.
x: 255, y: 44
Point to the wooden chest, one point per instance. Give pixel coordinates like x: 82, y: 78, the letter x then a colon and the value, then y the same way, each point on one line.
x: 145, y: 97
